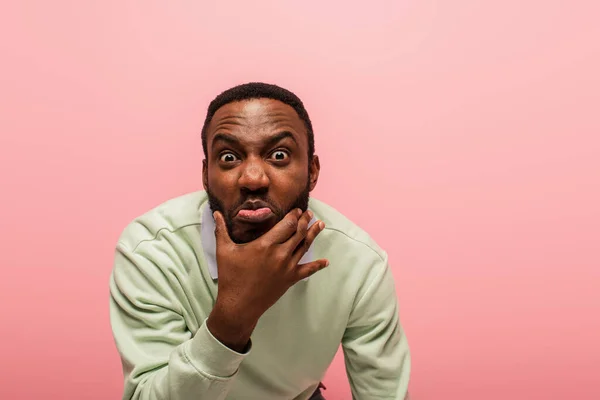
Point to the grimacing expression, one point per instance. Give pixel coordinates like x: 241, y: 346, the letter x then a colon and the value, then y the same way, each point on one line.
x: 257, y: 159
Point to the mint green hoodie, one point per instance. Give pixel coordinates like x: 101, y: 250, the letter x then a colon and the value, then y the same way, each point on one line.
x: 164, y: 284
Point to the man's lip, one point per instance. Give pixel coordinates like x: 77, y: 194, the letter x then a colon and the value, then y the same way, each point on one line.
x: 256, y: 219
x: 253, y: 205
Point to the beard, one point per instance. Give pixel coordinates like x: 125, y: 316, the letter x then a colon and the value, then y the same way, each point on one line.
x: 301, y: 202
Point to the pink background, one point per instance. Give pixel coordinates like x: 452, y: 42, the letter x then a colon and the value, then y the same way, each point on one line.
x: 463, y: 135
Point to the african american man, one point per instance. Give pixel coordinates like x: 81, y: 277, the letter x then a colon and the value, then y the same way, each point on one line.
x: 246, y: 289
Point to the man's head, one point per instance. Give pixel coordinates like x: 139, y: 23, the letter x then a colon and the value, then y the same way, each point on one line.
x: 259, y: 157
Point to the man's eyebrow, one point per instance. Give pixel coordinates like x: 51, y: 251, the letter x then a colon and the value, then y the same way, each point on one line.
x: 225, y: 137
x: 279, y: 137
x: 233, y: 140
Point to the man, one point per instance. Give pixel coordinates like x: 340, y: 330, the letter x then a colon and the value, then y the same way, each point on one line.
x: 246, y: 290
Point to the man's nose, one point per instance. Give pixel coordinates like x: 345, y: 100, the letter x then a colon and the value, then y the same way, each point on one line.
x: 253, y: 176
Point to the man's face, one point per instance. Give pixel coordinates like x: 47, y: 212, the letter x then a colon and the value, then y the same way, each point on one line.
x: 257, y: 167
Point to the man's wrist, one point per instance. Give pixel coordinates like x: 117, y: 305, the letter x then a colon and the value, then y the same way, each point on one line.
x: 231, y: 331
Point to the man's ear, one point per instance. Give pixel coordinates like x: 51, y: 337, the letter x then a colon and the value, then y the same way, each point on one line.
x: 314, y: 169
x: 204, y: 174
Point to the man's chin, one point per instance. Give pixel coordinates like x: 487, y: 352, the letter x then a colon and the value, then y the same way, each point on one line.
x: 245, y: 234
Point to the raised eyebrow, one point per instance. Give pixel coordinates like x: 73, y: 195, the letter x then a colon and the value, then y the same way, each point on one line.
x: 234, y: 141
x: 279, y: 137
x: 225, y: 137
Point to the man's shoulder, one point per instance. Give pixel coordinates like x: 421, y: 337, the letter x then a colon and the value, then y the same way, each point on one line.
x: 342, y: 228
x: 171, y: 215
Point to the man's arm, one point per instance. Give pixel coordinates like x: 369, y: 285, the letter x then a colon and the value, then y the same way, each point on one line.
x: 161, y: 359
x: 375, y: 348
x: 160, y: 356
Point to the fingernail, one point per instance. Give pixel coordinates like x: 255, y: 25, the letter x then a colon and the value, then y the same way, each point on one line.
x: 327, y: 263
x: 321, y: 225
x: 310, y: 214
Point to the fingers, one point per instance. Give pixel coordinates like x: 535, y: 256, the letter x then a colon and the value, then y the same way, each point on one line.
x: 300, y: 234
x: 221, y: 234
x: 312, y: 233
x: 285, y: 228
x: 308, y: 269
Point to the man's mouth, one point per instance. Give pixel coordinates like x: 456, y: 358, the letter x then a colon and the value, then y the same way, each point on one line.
x: 254, y: 212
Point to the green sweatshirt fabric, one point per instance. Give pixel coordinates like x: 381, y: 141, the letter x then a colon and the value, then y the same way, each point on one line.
x: 162, y: 291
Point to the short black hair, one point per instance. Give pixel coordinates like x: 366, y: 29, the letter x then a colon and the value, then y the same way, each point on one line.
x: 259, y: 90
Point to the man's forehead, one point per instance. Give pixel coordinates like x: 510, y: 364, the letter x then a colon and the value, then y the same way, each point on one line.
x: 257, y: 112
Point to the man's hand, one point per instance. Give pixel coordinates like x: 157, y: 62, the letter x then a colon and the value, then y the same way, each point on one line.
x: 253, y: 276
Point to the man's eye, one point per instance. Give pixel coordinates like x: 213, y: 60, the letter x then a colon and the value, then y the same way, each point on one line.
x: 228, y: 157
x: 279, y: 155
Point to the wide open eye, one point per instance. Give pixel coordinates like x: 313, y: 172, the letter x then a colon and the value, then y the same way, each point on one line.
x: 279, y: 155
x: 228, y: 157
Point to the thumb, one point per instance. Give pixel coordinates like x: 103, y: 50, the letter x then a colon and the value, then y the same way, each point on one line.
x: 221, y: 233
